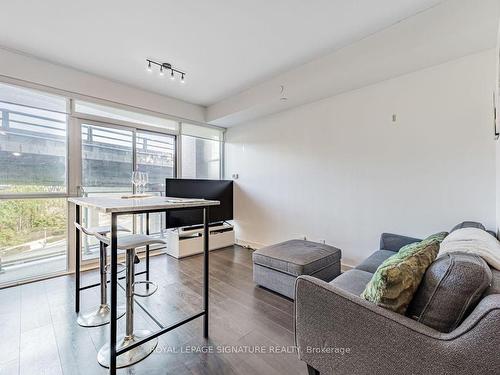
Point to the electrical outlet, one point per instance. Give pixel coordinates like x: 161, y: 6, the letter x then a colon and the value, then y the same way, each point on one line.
x: 235, y: 176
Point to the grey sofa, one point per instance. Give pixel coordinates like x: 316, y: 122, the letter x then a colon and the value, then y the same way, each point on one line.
x: 338, y: 332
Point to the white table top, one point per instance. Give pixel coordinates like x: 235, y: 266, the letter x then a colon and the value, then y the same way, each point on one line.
x: 114, y: 205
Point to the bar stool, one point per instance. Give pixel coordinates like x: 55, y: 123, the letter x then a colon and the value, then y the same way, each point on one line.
x: 130, y: 243
x: 102, y: 314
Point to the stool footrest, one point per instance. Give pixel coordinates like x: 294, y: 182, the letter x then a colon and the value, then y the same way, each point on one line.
x: 147, y: 283
x: 118, y: 265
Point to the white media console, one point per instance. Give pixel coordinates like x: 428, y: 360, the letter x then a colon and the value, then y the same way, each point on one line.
x: 186, y: 241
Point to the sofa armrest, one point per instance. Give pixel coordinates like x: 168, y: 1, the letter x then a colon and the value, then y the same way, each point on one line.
x: 394, y: 242
x: 338, y: 332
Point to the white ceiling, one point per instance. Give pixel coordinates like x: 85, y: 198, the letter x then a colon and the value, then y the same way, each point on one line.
x: 226, y: 46
x: 446, y: 32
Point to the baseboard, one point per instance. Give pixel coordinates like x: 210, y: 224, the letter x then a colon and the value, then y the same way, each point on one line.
x: 345, y: 267
x: 248, y: 244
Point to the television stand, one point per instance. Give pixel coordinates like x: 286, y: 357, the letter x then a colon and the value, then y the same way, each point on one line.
x: 186, y: 241
x: 193, y: 227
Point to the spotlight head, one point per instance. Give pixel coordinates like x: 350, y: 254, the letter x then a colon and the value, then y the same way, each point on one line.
x: 172, y: 77
x: 182, y: 78
x: 149, y: 66
x: 161, y: 70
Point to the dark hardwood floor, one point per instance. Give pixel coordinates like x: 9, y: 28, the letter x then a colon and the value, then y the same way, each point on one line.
x: 251, y: 329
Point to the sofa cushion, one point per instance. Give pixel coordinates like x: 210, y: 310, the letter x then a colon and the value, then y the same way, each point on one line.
x: 398, y: 277
x: 468, y: 224
x: 394, y: 242
x: 450, y: 289
x: 353, y: 281
x: 371, y: 263
x: 297, y: 257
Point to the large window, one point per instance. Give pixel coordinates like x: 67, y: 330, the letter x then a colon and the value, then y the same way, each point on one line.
x: 32, y: 142
x: 201, y: 152
x: 109, y: 155
x: 43, y: 161
x: 107, y: 159
x: 33, y: 164
x: 156, y: 157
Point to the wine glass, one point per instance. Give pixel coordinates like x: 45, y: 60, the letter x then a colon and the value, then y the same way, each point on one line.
x: 145, y: 181
x: 136, y: 179
x: 141, y: 182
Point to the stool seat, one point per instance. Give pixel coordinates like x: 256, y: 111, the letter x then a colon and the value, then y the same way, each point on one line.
x: 99, y: 230
x: 131, y: 241
x: 105, y: 229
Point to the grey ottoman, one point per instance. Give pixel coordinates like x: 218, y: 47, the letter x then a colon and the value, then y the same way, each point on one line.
x: 276, y: 267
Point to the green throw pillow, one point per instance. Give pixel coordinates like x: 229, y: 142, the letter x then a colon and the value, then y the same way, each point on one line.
x: 415, y: 246
x: 440, y: 236
x: 396, y: 280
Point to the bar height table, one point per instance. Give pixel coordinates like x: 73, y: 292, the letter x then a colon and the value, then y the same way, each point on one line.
x: 125, y: 206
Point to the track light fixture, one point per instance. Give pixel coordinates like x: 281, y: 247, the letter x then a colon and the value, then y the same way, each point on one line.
x: 166, y: 66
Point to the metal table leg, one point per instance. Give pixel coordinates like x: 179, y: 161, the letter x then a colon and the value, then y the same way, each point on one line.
x: 77, y: 258
x: 113, y: 302
x: 205, y: 270
x: 147, y: 251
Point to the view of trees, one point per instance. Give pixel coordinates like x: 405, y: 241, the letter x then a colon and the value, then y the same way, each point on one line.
x: 25, y: 220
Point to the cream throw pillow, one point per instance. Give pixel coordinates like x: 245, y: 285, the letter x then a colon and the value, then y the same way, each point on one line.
x: 473, y: 241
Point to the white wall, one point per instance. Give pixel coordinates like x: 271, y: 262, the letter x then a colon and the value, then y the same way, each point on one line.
x: 30, y: 69
x: 339, y: 169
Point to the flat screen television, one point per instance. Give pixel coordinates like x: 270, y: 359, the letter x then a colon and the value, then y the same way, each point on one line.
x: 219, y: 190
